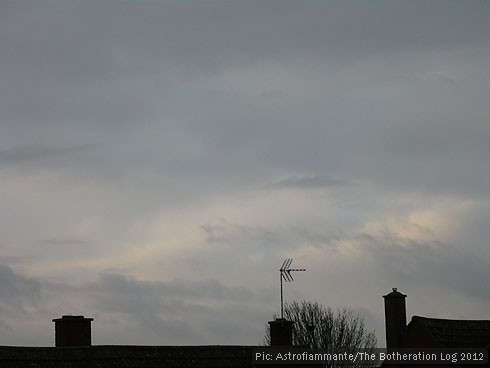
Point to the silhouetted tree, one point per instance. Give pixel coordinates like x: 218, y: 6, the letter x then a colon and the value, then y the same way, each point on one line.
x: 318, y: 327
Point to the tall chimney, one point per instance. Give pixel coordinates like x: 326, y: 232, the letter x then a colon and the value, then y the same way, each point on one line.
x: 395, y: 318
x: 281, y: 332
x: 73, y: 331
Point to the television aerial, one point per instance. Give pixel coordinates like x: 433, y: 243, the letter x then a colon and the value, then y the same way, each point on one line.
x: 285, y: 274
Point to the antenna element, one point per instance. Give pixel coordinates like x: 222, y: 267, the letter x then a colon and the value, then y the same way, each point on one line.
x: 285, y: 274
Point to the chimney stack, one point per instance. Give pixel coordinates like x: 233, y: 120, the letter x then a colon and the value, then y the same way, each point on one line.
x: 395, y: 318
x: 73, y: 331
x: 281, y: 332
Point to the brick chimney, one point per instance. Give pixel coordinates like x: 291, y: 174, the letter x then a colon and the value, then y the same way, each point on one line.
x: 395, y: 318
x: 73, y: 331
x: 281, y: 332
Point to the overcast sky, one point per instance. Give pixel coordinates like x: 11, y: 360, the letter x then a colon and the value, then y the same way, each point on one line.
x: 160, y: 159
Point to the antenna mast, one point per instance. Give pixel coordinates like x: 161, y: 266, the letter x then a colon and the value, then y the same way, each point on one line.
x: 285, y: 274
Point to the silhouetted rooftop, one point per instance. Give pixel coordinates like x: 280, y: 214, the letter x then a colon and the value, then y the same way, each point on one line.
x: 117, y: 356
x: 456, y: 333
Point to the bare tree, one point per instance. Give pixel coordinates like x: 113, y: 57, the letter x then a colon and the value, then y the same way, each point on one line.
x: 318, y: 327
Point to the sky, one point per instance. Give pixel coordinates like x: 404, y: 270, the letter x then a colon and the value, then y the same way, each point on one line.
x: 160, y: 159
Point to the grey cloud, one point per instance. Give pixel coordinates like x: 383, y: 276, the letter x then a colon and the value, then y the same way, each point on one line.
x: 207, y: 34
x: 240, y: 235
x: 13, y: 259
x: 146, y: 312
x: 17, y: 291
x: 325, y: 240
x: 206, y: 289
x: 256, y: 237
x: 19, y: 155
x: 65, y: 242
x: 412, y: 262
x: 5, y: 328
x: 141, y: 79
x: 308, y: 182
x: 196, y: 104
x: 174, y: 311
x: 106, y: 42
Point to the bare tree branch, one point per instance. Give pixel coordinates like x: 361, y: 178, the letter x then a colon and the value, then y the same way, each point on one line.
x: 318, y: 327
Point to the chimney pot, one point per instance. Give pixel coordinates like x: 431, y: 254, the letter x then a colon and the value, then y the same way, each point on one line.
x: 395, y: 318
x: 73, y: 331
x: 281, y: 332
